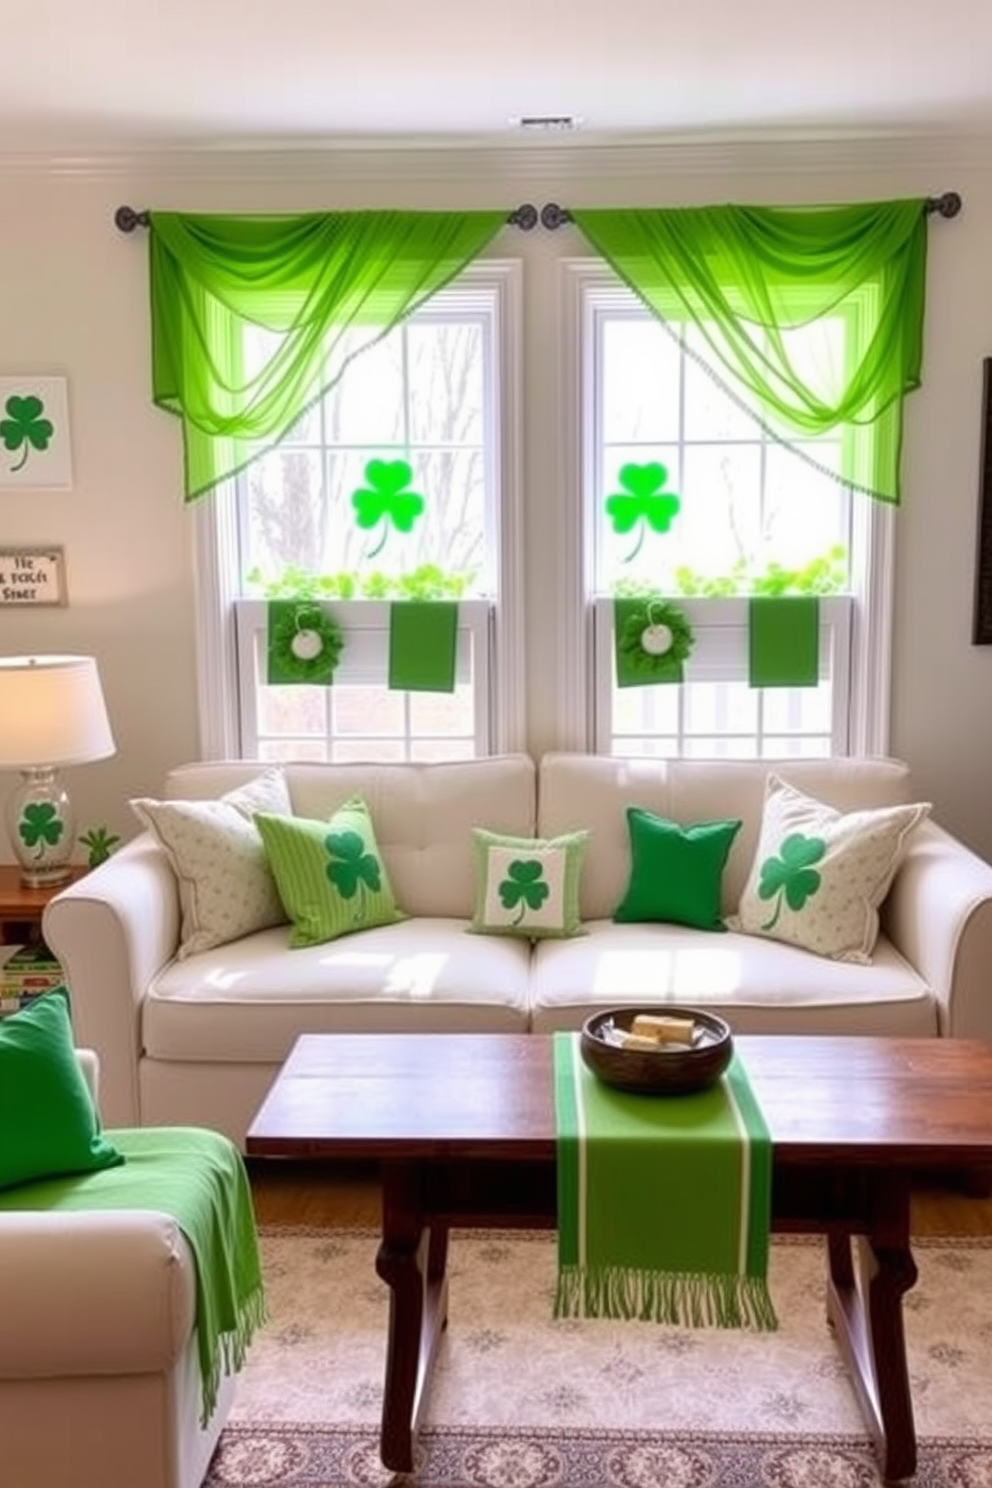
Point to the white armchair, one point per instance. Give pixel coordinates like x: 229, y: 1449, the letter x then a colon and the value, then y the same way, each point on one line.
x: 99, y: 1373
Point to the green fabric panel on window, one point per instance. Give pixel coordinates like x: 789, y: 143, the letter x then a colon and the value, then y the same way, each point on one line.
x: 423, y: 641
x: 748, y: 276
x: 784, y: 641
x: 629, y: 673
x: 321, y: 287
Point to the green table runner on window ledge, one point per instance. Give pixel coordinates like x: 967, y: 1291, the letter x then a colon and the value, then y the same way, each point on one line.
x: 664, y: 1201
x: 198, y: 1178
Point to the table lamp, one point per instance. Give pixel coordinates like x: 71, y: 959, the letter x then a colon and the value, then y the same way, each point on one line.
x: 52, y: 714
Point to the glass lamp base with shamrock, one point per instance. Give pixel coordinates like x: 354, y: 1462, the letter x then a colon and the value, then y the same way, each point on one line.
x: 41, y: 827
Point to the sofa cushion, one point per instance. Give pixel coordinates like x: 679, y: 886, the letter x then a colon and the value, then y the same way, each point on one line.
x: 330, y: 874
x: 757, y: 985
x: 424, y: 813
x: 675, y: 872
x: 48, y: 1123
x: 594, y: 791
x: 527, y: 886
x: 226, y: 889
x: 247, y: 1002
x: 819, y: 875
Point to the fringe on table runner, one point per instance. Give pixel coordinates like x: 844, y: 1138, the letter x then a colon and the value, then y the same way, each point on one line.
x: 689, y: 1299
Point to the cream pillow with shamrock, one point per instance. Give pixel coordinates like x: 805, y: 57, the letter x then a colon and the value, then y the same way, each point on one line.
x: 819, y: 875
x: 527, y: 886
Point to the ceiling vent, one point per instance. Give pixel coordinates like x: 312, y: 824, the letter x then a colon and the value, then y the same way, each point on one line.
x: 547, y: 123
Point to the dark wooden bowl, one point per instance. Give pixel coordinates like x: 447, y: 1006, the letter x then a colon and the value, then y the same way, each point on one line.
x: 671, y: 1069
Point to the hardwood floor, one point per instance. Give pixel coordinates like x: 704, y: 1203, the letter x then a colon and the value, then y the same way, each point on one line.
x: 347, y: 1196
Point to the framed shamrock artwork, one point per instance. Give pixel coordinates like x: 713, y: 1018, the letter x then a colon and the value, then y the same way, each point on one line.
x: 35, y: 452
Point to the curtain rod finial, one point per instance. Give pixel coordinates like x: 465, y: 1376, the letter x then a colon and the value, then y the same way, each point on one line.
x: 126, y: 219
x: 946, y: 205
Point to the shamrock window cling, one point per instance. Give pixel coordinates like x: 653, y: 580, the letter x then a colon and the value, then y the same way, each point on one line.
x: 304, y: 643
x: 643, y: 503
x: 386, y: 500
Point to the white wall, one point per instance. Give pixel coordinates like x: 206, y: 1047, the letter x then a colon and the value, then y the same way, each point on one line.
x: 73, y: 300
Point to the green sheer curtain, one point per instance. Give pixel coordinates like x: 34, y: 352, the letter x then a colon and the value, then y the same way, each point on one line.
x: 254, y: 317
x: 749, y: 277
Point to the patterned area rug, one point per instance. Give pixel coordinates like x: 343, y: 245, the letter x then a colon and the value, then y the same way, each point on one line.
x: 521, y: 1401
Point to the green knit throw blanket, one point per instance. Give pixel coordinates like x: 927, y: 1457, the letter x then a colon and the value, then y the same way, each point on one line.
x: 198, y: 1178
x: 664, y: 1201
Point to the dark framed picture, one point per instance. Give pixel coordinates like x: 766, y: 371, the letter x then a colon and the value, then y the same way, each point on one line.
x: 981, y: 634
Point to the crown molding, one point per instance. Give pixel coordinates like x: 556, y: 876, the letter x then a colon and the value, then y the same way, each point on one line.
x: 480, y: 163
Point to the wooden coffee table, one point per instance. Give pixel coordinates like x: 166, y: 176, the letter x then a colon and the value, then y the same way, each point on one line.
x: 463, y: 1127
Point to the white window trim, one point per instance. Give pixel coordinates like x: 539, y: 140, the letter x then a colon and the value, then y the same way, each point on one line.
x: 872, y: 552
x: 216, y: 557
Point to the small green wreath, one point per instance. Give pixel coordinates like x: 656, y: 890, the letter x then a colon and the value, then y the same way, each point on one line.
x: 656, y: 639
x: 304, y: 641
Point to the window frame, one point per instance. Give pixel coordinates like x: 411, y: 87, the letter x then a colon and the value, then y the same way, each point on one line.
x: 585, y: 285
x: 217, y: 557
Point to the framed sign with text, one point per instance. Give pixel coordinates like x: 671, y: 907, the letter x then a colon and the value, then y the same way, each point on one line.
x: 32, y: 576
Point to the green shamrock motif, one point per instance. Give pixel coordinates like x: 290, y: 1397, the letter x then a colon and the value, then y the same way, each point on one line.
x: 384, y: 499
x: 24, y: 425
x: 40, y: 826
x: 791, y: 876
x: 352, y: 870
x: 643, y: 503
x: 100, y: 843
x: 524, y: 885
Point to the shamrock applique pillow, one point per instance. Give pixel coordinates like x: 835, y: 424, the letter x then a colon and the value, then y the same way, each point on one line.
x: 527, y: 886
x: 819, y: 875
x: 330, y: 874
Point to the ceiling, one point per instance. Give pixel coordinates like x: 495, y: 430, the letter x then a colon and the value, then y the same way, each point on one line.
x: 141, y: 74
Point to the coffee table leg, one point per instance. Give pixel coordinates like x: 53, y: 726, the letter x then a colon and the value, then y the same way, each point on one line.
x: 411, y: 1261
x: 868, y: 1322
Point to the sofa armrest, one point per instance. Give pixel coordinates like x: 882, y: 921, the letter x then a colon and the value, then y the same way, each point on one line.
x: 938, y: 914
x: 93, y: 1292
x: 113, y: 930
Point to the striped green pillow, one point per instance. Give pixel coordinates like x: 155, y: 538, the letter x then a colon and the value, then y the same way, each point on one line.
x: 329, y: 874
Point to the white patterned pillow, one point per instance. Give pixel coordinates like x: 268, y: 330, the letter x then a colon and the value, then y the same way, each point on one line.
x: 226, y: 888
x: 819, y: 875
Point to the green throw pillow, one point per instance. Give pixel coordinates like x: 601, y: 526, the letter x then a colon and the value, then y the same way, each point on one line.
x: 819, y: 875
x: 48, y: 1123
x: 527, y: 886
x: 676, y: 872
x: 330, y: 875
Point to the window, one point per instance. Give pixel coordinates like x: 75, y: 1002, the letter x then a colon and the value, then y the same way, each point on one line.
x: 401, y: 483
x: 751, y: 517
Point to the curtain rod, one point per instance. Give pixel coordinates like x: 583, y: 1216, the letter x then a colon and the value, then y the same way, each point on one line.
x: 127, y: 219
x: 551, y: 215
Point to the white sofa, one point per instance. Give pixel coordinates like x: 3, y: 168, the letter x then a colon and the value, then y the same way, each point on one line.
x: 99, y: 1372
x: 199, y: 1040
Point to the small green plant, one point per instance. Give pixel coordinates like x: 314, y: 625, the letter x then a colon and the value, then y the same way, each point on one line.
x: 426, y: 582
x: 825, y: 574
x: 99, y: 843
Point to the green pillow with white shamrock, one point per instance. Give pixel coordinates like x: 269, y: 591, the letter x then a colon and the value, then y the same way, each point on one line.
x: 819, y: 875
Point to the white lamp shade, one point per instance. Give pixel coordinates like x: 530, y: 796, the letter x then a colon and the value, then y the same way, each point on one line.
x: 52, y: 712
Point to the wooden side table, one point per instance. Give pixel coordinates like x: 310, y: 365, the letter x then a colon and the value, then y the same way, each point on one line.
x: 21, y: 908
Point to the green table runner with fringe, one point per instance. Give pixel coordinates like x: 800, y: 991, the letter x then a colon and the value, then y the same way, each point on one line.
x: 664, y: 1201
x: 196, y: 1177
